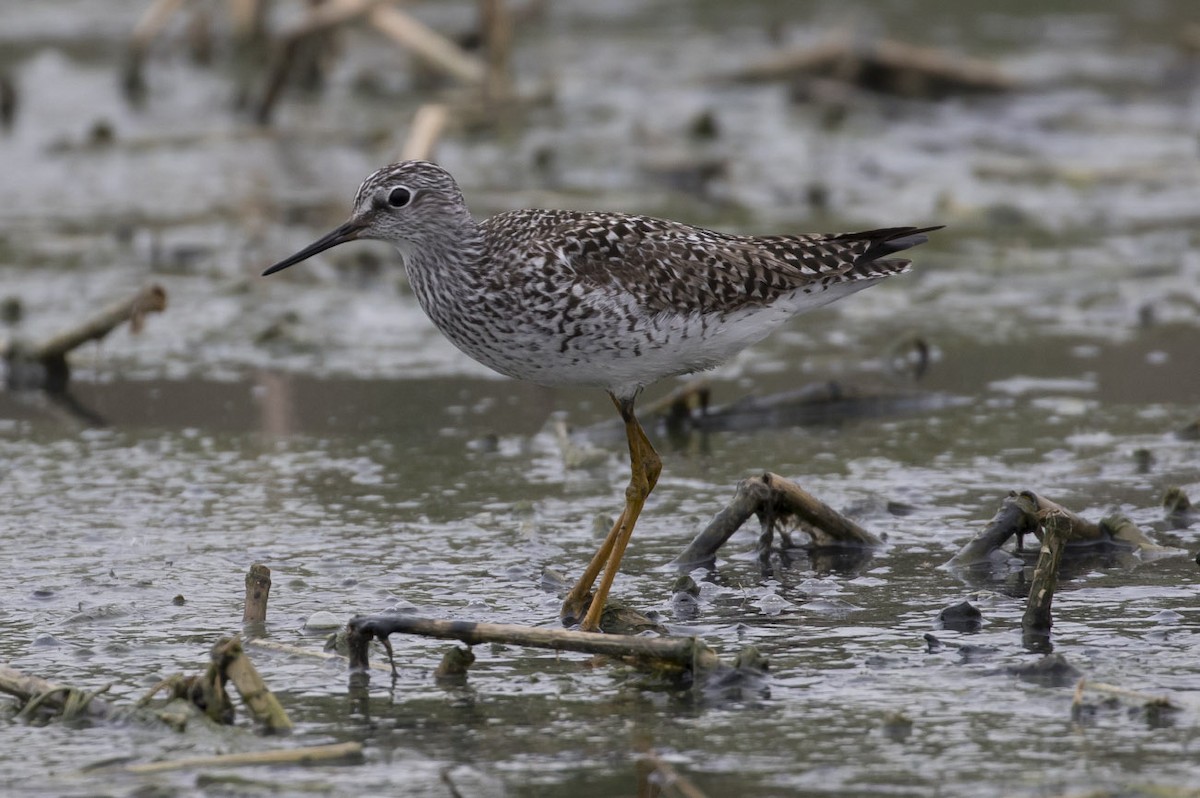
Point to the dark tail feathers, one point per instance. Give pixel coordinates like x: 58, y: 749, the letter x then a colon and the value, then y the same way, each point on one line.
x: 887, y: 240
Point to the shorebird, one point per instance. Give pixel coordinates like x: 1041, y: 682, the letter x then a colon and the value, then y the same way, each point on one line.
x: 610, y: 300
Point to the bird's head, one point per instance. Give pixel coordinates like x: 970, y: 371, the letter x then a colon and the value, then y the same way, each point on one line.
x: 412, y: 204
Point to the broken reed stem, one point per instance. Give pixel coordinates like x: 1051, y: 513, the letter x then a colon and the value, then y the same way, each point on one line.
x: 771, y: 493
x: 678, y: 404
x: 229, y: 662
x: 496, y: 23
x: 258, y: 590
x: 207, y: 690
x: 422, y: 41
x: 248, y: 18
x: 153, y: 20
x: 811, y: 510
x: 426, y: 131
x: 689, y: 653
x: 427, y: 44
x: 262, y: 704
x: 1036, y: 623
x: 750, y: 495
x: 53, y: 696
x: 1072, y: 527
x: 1077, y: 530
x: 151, y: 299
x: 1011, y: 519
x: 908, y: 66
x: 319, y: 20
x: 330, y: 14
x: 349, y: 752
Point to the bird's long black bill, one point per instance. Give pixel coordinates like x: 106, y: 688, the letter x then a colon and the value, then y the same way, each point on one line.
x: 347, y: 232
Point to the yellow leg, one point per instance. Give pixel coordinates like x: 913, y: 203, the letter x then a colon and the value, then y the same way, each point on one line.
x: 577, y: 600
x: 645, y: 467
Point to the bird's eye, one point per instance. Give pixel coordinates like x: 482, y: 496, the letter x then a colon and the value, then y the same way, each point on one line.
x: 399, y: 197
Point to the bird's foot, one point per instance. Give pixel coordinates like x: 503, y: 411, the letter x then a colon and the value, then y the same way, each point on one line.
x: 615, y: 618
x: 575, y: 607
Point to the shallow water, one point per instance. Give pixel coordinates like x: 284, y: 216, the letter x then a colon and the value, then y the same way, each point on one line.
x: 318, y: 424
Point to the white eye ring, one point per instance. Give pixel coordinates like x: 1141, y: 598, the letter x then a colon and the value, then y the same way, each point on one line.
x: 399, y: 197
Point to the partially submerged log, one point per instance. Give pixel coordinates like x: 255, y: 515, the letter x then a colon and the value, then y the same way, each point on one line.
x: 774, y: 499
x: 1013, y: 518
x: 680, y: 654
x: 350, y: 753
x: 885, y: 66
x: 817, y: 403
x: 1024, y: 512
x: 44, y: 365
x: 37, y: 694
x: 206, y: 691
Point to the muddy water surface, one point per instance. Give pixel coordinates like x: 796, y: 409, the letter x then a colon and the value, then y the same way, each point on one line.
x: 317, y: 423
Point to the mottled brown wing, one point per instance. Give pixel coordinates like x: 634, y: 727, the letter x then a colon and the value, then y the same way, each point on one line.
x: 680, y: 268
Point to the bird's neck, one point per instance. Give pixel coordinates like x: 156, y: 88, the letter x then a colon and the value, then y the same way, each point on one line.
x: 447, y: 269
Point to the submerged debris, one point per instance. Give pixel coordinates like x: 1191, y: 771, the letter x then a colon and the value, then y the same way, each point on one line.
x: 1189, y: 431
x: 657, y: 777
x: 1052, y: 670
x: 206, y: 691
x: 774, y: 500
x: 1025, y: 513
x: 961, y: 617
x: 1036, y: 622
x: 453, y: 667
x: 38, y: 697
x: 969, y: 652
x: 334, y: 752
x: 896, y: 726
x: 1158, y: 710
x: 680, y: 654
x: 688, y: 408
x: 618, y: 619
x: 1180, y: 513
x: 203, y: 692
x: 886, y: 66
x: 44, y: 365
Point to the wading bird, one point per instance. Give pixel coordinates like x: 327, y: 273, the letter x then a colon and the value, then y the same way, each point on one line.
x: 609, y: 300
